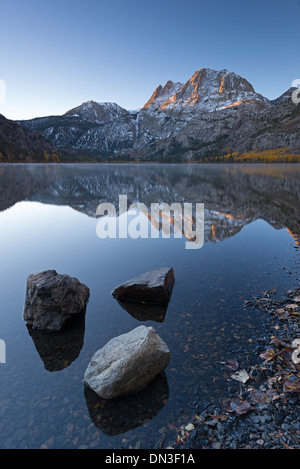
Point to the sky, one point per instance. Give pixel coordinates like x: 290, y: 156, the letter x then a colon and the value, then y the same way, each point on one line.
x: 57, y: 54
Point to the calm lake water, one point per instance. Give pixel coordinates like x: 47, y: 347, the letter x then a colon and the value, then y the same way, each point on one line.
x: 48, y: 221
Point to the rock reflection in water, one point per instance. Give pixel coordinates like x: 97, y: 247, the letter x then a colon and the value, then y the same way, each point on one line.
x: 144, y: 312
x: 117, y: 416
x: 58, y: 349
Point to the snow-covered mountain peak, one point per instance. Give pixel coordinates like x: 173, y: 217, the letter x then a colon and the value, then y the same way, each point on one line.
x: 207, y: 90
x: 97, y: 112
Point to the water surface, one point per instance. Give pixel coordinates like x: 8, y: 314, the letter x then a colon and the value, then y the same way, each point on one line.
x: 48, y: 221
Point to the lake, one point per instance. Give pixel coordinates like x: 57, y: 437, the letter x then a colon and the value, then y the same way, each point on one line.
x: 48, y: 220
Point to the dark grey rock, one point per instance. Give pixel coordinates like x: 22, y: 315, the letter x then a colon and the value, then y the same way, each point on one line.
x: 153, y: 287
x: 52, y: 299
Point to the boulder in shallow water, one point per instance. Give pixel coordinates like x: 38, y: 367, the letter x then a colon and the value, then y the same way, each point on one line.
x: 52, y: 299
x: 127, y: 363
x: 153, y: 287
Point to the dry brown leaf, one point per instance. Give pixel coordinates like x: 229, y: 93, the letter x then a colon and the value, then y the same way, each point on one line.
x: 291, y: 384
x: 268, y: 355
x: 235, y: 405
x: 292, y: 306
x: 232, y: 365
x: 257, y: 396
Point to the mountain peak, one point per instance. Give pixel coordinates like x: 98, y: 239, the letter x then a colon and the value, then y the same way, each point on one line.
x: 162, y: 93
x: 208, y: 90
x: 99, y: 113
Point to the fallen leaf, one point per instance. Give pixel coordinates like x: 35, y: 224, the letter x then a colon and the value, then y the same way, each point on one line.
x: 286, y: 355
x: 235, y: 405
x: 292, y: 306
x: 257, y: 396
x: 268, y: 355
x: 232, y: 365
x: 190, y: 427
x: 277, y: 341
x: 291, y: 384
x: 219, y: 417
x: 241, y: 376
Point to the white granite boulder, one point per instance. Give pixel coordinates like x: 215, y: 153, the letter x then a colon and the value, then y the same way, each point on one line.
x: 127, y: 363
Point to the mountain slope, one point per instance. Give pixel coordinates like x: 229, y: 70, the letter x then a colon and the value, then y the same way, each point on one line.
x: 211, y: 112
x: 19, y: 144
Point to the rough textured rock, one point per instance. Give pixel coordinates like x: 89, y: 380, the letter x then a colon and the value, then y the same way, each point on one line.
x: 52, y: 299
x: 127, y: 363
x: 153, y: 287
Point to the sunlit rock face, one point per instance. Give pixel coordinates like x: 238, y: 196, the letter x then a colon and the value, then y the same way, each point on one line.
x: 207, y: 90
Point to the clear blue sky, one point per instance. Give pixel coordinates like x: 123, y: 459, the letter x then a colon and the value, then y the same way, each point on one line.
x: 56, y: 54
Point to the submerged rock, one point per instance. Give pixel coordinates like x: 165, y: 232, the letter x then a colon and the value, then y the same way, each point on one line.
x: 127, y: 363
x: 52, y: 299
x: 153, y: 287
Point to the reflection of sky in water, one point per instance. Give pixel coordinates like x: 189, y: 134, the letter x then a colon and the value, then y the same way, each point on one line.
x: 205, y: 322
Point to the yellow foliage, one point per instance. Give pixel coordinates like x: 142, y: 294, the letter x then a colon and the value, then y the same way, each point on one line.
x: 277, y: 155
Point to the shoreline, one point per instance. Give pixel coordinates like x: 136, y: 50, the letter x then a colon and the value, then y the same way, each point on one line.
x: 264, y: 414
x: 158, y: 163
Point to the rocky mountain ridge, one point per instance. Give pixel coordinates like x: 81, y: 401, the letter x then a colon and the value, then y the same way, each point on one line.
x: 211, y: 112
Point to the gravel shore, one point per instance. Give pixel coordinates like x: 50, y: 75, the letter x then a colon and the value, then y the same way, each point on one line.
x: 264, y: 412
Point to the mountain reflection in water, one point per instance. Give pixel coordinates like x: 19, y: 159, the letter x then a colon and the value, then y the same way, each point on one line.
x: 234, y: 196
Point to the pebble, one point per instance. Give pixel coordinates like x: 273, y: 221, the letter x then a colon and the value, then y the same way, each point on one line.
x: 260, y: 442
